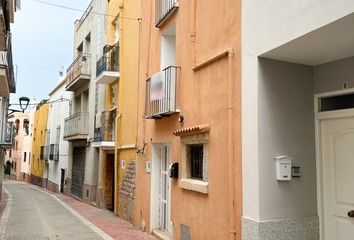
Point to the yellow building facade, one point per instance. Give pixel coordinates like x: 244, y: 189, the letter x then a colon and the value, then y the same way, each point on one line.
x: 121, y: 98
x: 38, y: 175
x: 127, y: 31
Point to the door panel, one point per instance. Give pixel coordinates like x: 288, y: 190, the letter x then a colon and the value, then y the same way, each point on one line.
x: 338, y: 177
x: 164, y: 189
x: 78, y: 172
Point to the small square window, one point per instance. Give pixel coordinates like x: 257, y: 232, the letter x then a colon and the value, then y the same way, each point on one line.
x: 195, y: 158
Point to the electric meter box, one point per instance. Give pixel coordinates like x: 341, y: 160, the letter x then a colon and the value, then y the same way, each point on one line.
x: 283, y: 168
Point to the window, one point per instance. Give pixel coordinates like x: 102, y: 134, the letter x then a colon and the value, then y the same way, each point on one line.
x: 195, y: 162
x: 24, y: 156
x: 195, y: 158
x: 26, y: 126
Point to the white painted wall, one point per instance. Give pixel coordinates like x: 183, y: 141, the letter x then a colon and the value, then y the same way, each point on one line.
x: 267, y: 25
x: 286, y: 127
x: 94, y: 25
x: 57, y: 113
x: 332, y: 76
x: 168, y: 51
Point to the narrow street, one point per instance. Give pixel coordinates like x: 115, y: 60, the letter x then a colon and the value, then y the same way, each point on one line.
x: 37, y: 215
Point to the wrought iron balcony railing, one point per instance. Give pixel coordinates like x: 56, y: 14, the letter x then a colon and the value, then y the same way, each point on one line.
x: 104, y: 126
x: 7, y: 63
x: 80, y: 69
x: 7, y: 134
x: 54, y: 152
x: 161, y: 93
x: 163, y: 10
x: 109, y: 61
x: 76, y: 125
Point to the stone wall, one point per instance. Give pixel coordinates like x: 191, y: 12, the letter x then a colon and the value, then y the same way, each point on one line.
x: 39, y: 181
x: 53, y: 187
x: 127, y: 192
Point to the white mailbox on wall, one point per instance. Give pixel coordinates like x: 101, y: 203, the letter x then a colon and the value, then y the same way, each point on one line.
x: 283, y: 168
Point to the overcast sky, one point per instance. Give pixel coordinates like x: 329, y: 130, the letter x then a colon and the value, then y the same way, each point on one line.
x: 42, y: 44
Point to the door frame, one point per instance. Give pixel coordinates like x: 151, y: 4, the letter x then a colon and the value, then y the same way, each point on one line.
x: 155, y: 178
x: 319, y: 117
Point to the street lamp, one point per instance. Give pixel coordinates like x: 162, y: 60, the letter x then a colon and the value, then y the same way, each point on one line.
x: 24, y: 101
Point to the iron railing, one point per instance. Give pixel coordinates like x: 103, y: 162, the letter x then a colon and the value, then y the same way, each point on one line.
x: 80, y: 66
x: 7, y: 63
x: 104, y: 126
x: 44, y: 154
x: 76, y: 124
x: 161, y: 93
x: 54, y: 152
x: 163, y: 9
x: 85, y: 15
x: 7, y: 136
x: 109, y: 61
x: 5, y: 13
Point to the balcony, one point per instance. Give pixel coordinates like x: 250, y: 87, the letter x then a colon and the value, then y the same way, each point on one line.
x: 105, y: 129
x: 107, y: 67
x: 79, y: 72
x: 6, y: 17
x: 44, y: 154
x: 76, y: 127
x: 54, y: 152
x: 161, y: 94
x: 163, y: 10
x: 7, y: 78
x: 6, y: 135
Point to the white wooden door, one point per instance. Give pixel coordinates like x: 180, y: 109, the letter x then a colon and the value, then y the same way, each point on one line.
x: 337, y: 147
x: 165, y: 189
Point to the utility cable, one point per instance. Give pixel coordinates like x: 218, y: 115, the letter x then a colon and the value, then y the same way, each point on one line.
x: 80, y: 10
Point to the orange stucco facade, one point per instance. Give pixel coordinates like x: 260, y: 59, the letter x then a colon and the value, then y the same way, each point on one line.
x: 208, y: 86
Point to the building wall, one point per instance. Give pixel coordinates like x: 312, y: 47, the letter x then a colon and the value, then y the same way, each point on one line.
x: 58, y: 111
x: 272, y: 27
x: 202, y: 98
x: 286, y: 127
x: 262, y: 139
x: 27, y: 144
x: 126, y: 123
x: 38, y: 171
x: 332, y: 76
x: 18, y: 145
x: 91, y: 26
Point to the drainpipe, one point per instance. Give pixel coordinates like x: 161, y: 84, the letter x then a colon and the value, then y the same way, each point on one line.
x: 230, y: 133
x: 116, y: 165
x: 231, y: 144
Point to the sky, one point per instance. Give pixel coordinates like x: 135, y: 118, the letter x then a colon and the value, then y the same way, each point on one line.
x: 42, y: 38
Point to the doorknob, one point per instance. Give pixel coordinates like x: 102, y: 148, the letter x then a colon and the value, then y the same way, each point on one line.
x: 351, y: 214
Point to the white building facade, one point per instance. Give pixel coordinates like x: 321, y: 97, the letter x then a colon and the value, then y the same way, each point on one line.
x: 59, y: 109
x: 297, y: 101
x: 88, y: 100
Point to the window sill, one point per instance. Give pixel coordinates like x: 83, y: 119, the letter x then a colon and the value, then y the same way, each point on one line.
x: 194, y: 185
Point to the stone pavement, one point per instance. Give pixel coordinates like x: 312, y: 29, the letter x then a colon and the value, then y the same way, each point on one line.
x: 39, y: 214
x: 105, y: 220
x: 3, y: 202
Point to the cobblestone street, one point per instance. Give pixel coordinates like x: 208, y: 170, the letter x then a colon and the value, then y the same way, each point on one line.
x: 32, y: 213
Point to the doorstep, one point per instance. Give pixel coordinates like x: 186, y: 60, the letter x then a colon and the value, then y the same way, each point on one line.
x: 161, y: 235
